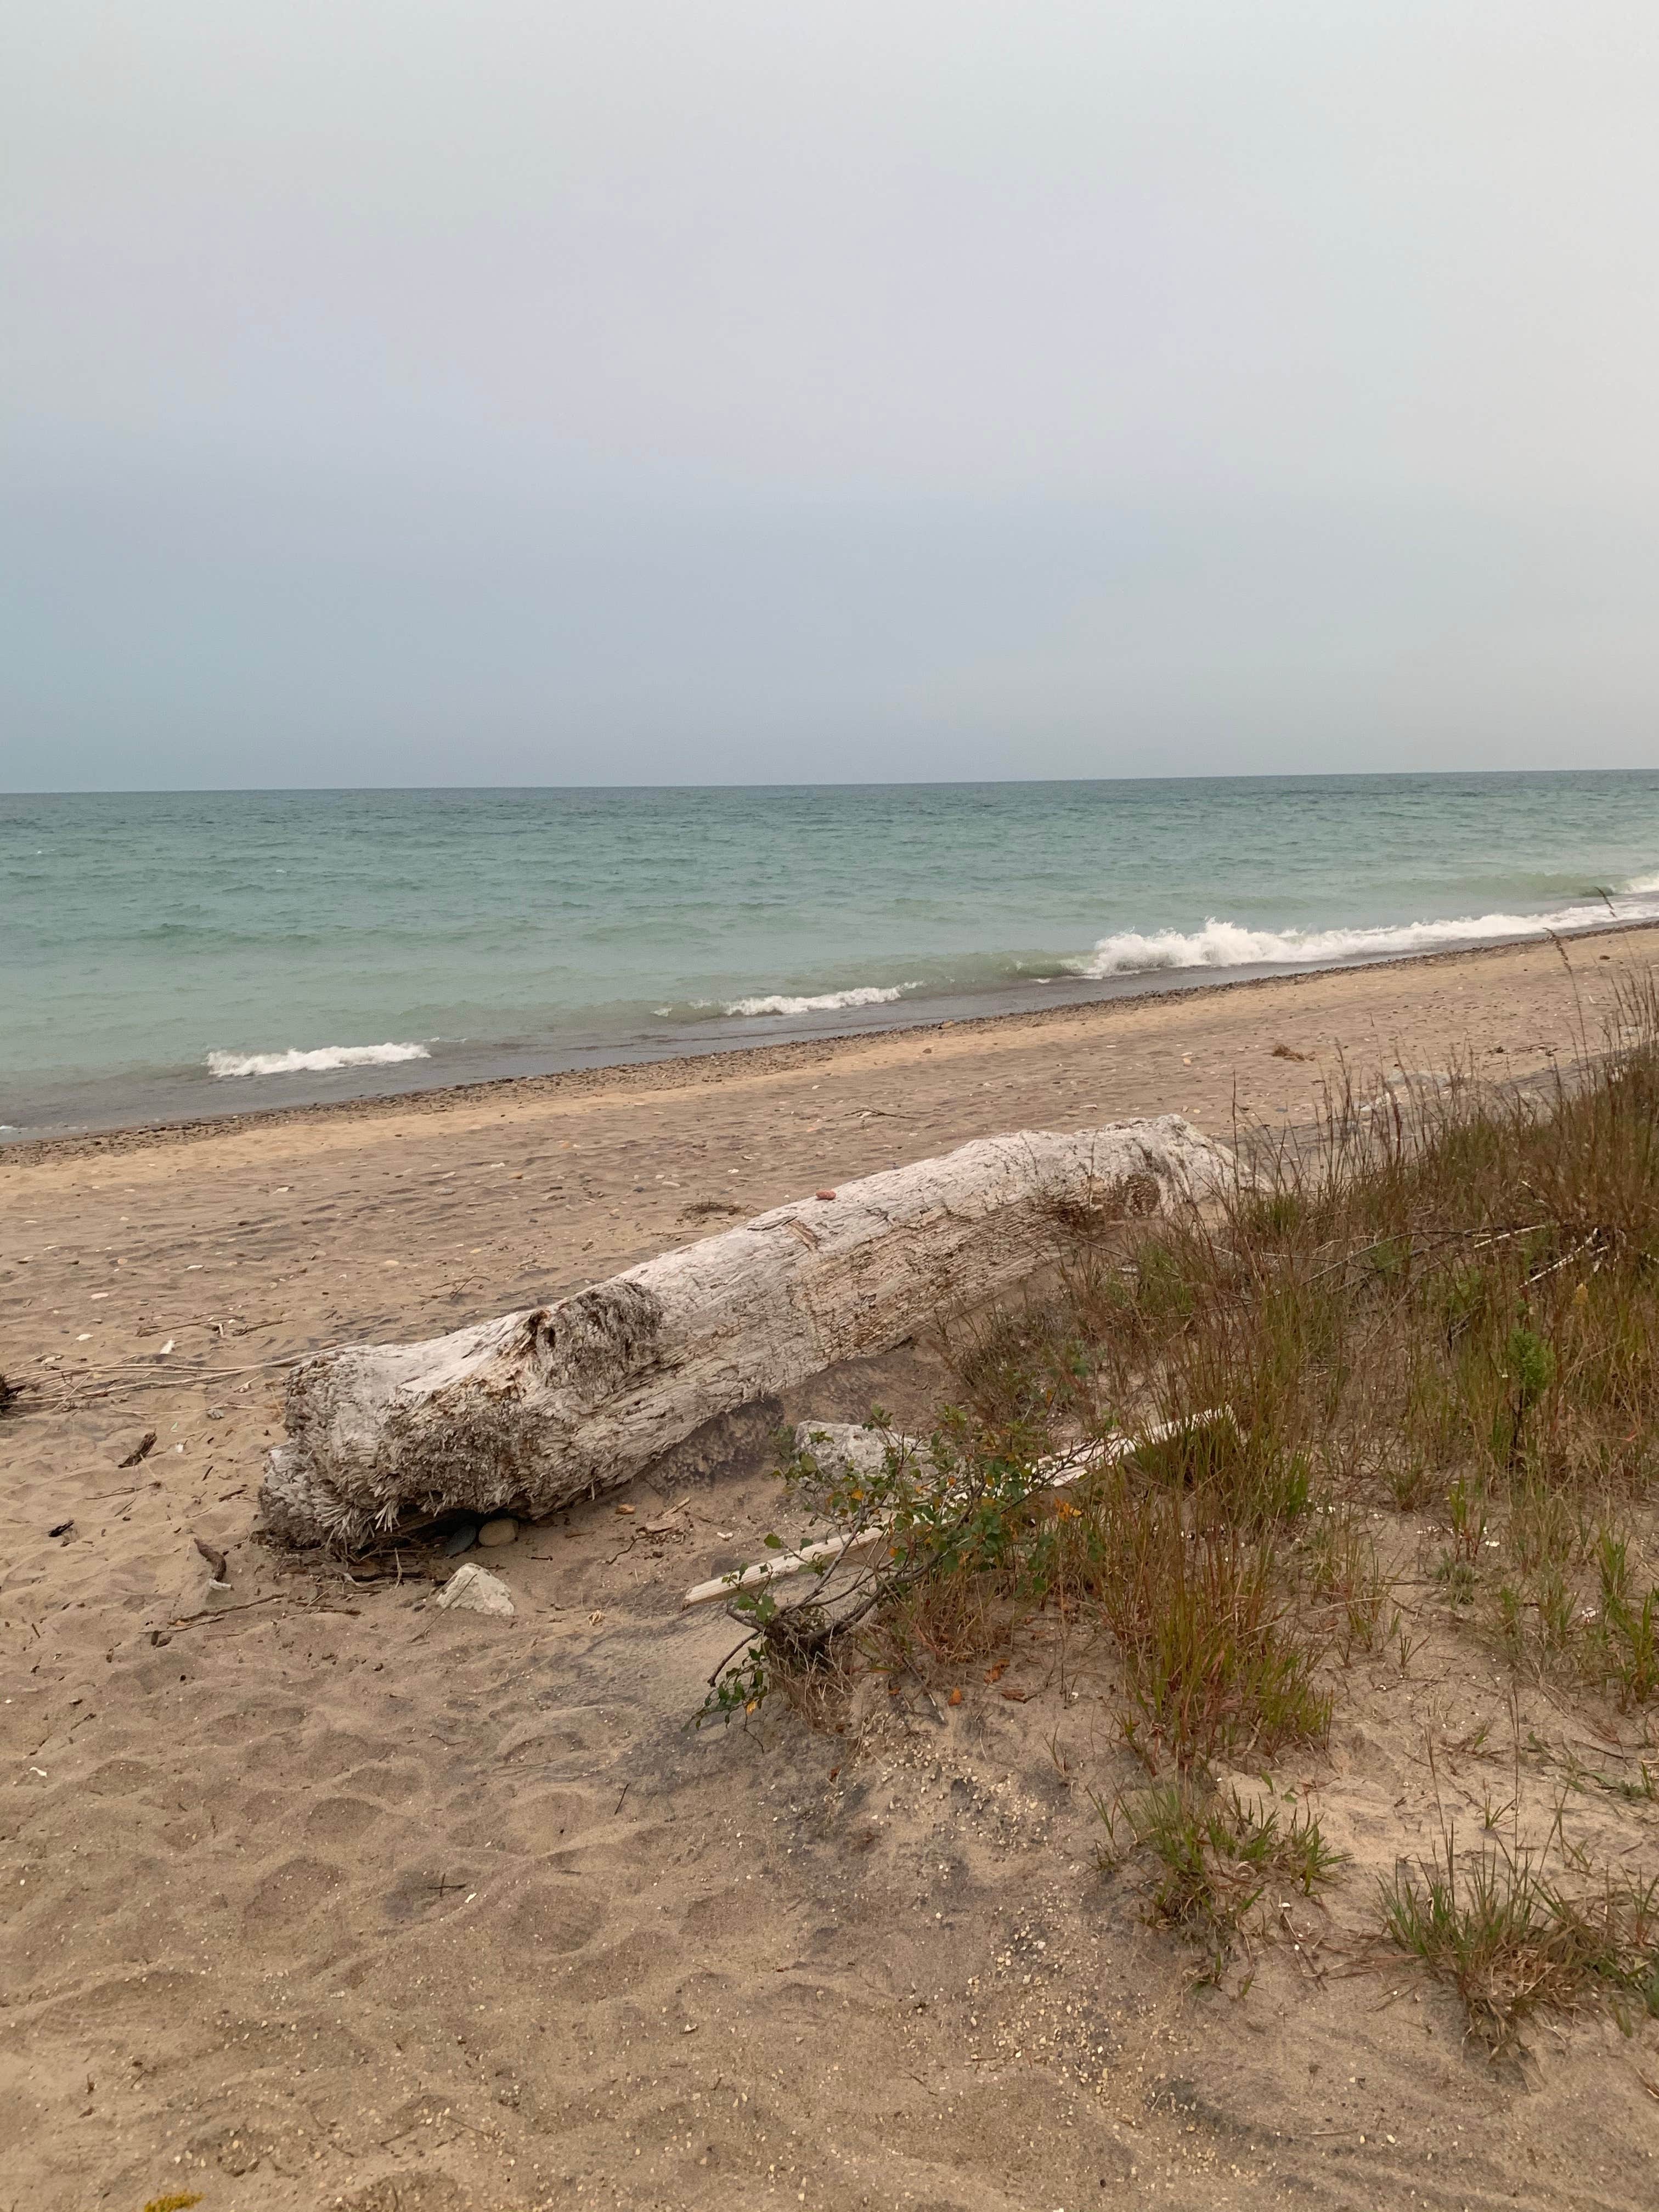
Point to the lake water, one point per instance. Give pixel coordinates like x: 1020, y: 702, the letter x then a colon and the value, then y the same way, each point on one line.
x: 165, y: 956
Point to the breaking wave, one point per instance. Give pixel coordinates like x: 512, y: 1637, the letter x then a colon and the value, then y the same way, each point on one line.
x: 826, y: 1002
x: 219, y: 1065
x: 1231, y: 944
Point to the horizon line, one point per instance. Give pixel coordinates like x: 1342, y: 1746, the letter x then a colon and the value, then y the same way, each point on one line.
x: 886, y: 783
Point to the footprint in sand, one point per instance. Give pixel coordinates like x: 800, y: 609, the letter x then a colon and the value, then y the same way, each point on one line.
x: 343, y: 1820
x: 290, y: 1893
x: 549, y: 1915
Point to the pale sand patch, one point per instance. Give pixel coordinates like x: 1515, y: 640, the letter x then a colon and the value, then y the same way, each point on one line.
x: 342, y: 1899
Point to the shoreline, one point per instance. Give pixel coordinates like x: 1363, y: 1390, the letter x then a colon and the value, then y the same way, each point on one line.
x: 688, y: 1070
x: 305, y: 1782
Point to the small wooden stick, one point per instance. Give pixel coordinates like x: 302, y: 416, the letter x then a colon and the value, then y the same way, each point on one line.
x: 1068, y: 1468
x: 791, y: 1562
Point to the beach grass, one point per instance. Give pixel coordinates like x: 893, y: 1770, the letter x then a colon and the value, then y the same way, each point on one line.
x: 1217, y: 1855
x: 1412, y: 1345
x: 1514, y: 1937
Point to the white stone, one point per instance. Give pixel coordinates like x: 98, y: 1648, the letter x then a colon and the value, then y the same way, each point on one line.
x: 470, y: 1589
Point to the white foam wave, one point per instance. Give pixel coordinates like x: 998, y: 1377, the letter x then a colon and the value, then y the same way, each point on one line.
x: 322, y: 1061
x: 1230, y: 945
x: 826, y: 1002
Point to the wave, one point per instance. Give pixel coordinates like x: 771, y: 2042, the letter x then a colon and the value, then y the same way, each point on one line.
x: 220, y: 1065
x: 826, y: 1002
x: 1231, y: 944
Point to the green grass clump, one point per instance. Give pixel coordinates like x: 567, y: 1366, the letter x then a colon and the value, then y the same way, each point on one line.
x: 1217, y: 1659
x: 1511, y: 1941
x: 1217, y: 1855
x: 1626, y: 1641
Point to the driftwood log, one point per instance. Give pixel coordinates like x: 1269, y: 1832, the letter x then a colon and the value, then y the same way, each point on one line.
x: 538, y: 1408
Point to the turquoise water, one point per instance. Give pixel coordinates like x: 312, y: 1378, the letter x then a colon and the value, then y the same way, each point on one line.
x: 170, y: 955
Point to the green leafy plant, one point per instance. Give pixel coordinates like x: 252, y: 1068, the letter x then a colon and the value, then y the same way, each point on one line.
x: 964, y: 1510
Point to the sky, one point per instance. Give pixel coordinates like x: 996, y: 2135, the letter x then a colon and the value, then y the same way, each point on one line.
x: 736, y: 391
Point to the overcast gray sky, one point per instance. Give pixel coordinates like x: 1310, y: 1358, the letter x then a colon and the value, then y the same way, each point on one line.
x: 615, y: 390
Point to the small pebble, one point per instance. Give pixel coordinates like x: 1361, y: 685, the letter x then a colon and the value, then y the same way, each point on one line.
x: 501, y: 1530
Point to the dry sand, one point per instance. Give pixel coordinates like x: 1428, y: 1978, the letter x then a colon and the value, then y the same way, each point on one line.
x: 315, y: 1895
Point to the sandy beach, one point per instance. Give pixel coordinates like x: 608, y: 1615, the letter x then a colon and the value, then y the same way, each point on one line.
x: 316, y: 1896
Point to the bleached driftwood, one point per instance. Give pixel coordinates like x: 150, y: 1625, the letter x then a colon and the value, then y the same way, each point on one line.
x: 863, y: 1451
x: 533, y: 1410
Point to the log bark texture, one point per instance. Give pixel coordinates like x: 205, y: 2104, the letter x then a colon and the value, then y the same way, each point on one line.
x: 527, y: 1413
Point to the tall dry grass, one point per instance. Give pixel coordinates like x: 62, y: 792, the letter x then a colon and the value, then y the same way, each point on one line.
x: 1440, y: 1301
x: 1430, y: 1319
